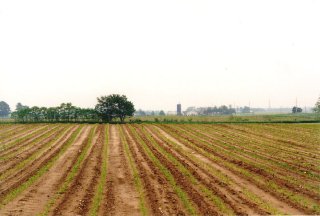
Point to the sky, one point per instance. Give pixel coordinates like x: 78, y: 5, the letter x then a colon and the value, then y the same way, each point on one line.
x: 160, y: 53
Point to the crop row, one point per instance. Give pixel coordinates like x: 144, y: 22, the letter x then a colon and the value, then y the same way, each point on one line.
x: 250, y: 165
x: 159, y: 169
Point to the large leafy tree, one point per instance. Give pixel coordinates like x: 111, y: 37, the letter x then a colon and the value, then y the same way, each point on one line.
x: 114, y: 106
x: 4, y: 109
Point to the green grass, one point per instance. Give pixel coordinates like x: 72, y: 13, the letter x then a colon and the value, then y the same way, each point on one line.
x: 251, y: 118
x: 238, y: 118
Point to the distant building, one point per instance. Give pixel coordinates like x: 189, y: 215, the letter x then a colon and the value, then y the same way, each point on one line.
x: 170, y: 113
x: 179, y: 109
x: 191, y: 113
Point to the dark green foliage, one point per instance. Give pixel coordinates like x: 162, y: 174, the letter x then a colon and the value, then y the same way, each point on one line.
x: 66, y: 112
x: 114, y: 106
x: 221, y: 110
x: 296, y: 109
x: 108, y: 108
x: 4, y: 109
x: 19, y: 106
x: 161, y: 113
x: 316, y: 108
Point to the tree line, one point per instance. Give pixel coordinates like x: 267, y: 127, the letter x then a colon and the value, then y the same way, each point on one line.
x: 66, y: 112
x: 109, y: 108
x: 209, y: 111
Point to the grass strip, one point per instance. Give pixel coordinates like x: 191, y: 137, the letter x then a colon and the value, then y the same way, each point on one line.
x: 179, y: 191
x: 137, y: 180
x: 102, y: 181
x: 15, y: 192
x: 74, y: 170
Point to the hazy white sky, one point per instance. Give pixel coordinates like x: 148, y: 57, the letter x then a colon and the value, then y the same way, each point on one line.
x: 158, y: 53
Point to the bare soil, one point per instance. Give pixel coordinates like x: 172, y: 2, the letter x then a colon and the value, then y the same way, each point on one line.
x: 34, y: 199
x: 194, y: 159
x: 121, y: 196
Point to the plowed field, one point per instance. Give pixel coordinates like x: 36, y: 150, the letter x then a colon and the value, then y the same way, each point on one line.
x: 159, y: 169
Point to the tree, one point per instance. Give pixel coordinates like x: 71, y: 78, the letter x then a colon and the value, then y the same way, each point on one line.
x: 67, y: 111
x: 296, y: 109
x: 316, y: 108
x: 19, y: 106
x: 245, y: 109
x: 4, y: 109
x: 114, y: 106
x: 161, y: 113
x: 140, y: 112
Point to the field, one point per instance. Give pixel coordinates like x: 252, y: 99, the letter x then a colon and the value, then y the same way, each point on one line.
x: 239, y: 118
x: 159, y: 169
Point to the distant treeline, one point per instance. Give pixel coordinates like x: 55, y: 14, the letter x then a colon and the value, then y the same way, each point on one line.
x: 108, y: 109
x: 208, y: 111
x: 66, y: 112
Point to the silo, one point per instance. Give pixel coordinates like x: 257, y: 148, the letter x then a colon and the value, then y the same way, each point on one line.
x: 179, y: 109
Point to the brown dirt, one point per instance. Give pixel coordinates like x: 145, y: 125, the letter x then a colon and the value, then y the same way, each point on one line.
x: 18, y: 157
x: 121, y: 196
x: 7, y: 135
x: 271, y: 139
x: 19, y: 148
x: 33, y: 200
x: 19, y: 177
x: 270, y: 143
x: 10, y: 129
x: 267, y: 176
x: 269, y: 198
x: 277, y: 173
x: 161, y: 196
x: 77, y: 200
x: 11, y: 148
x: 230, y: 195
x: 204, y: 206
x: 20, y: 134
